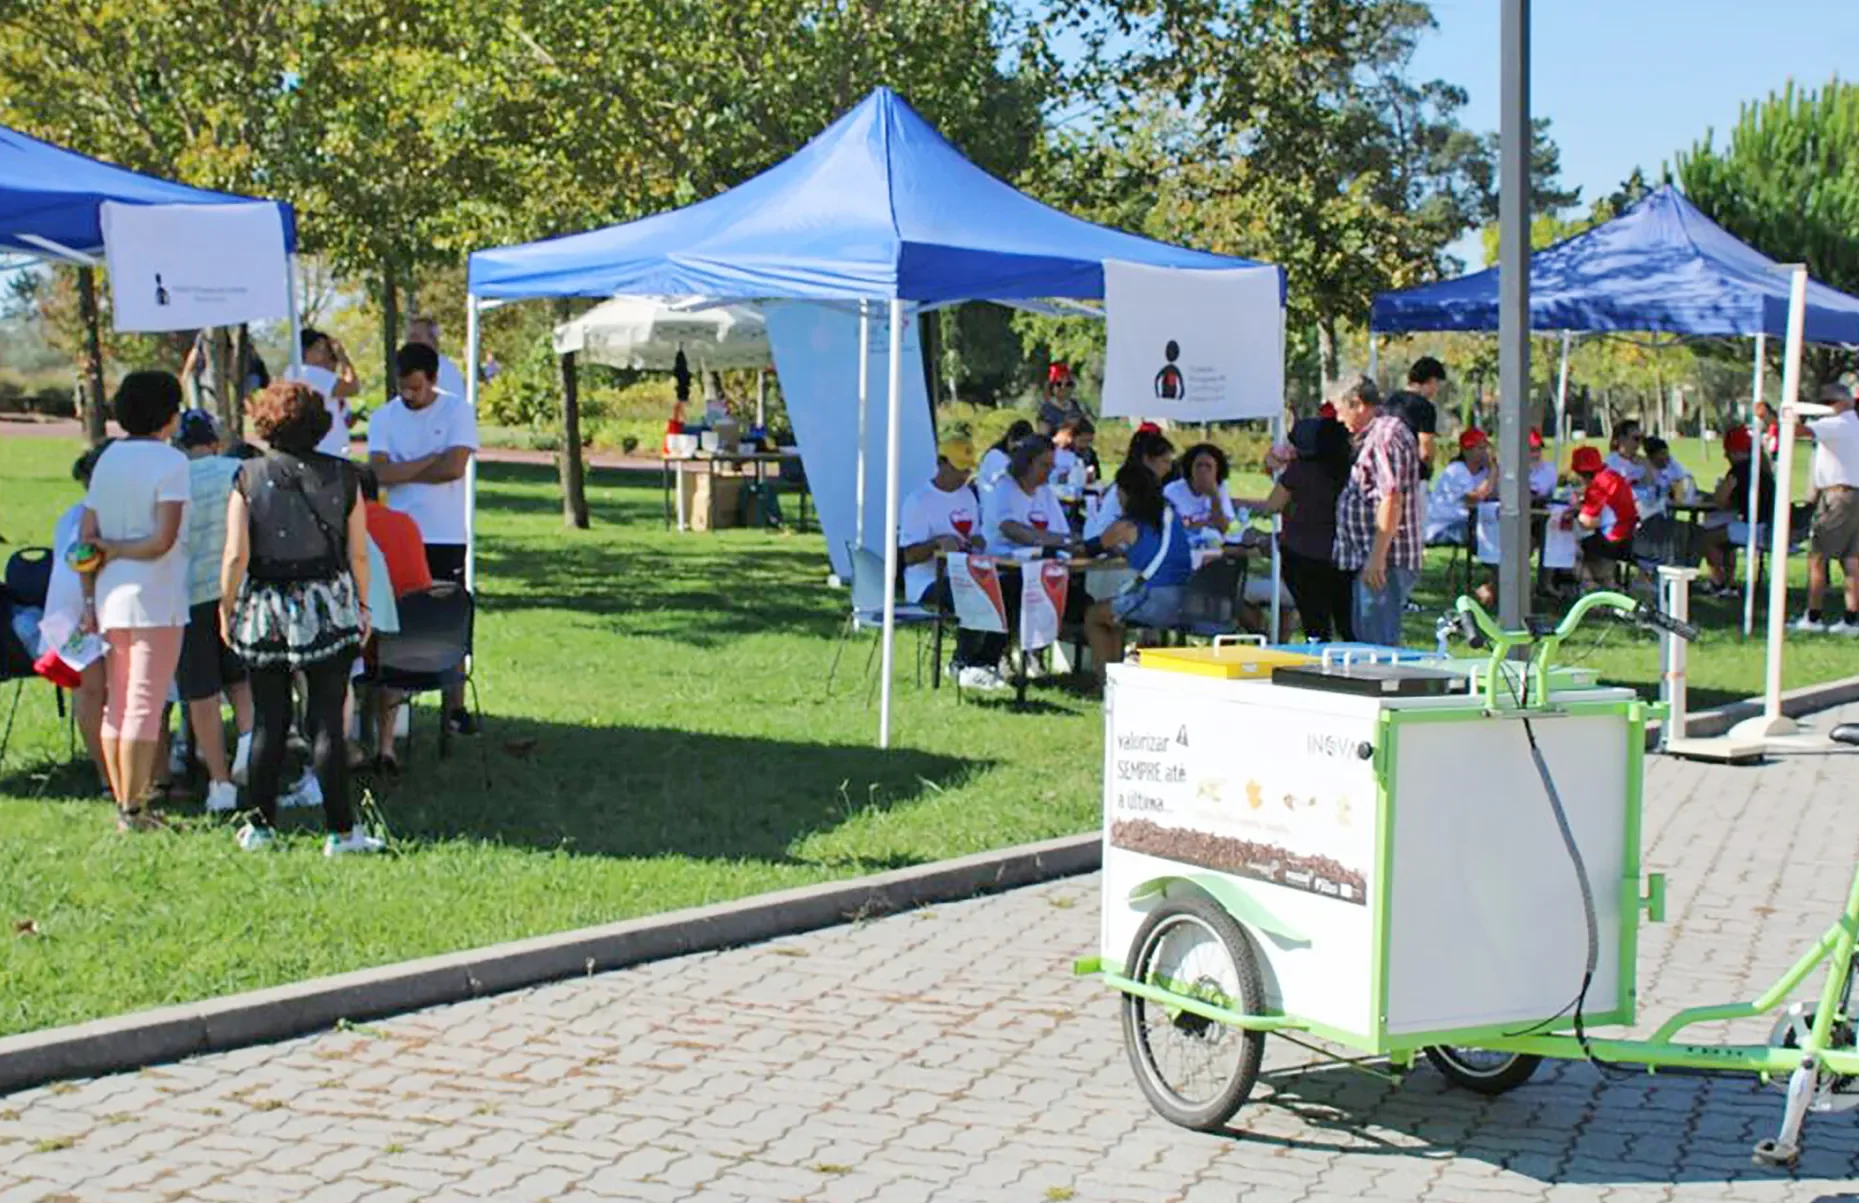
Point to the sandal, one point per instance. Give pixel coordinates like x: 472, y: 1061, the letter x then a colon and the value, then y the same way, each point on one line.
x: 138, y: 818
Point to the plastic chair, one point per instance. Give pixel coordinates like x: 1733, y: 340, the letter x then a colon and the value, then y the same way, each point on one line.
x: 867, y: 612
x: 431, y: 651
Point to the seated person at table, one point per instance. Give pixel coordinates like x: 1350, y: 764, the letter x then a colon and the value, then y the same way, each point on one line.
x: 1464, y: 482
x: 1542, y: 471
x: 1623, y: 454
x: 1022, y: 515
x: 1071, y: 445
x: 1306, y: 493
x: 1152, y: 538
x: 993, y: 464
x: 1666, y: 479
x: 1607, y: 518
x: 942, y: 517
x: 1150, y: 448
x: 1726, y: 528
x: 1198, y: 492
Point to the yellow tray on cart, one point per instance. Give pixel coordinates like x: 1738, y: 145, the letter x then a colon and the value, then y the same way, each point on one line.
x: 1228, y: 658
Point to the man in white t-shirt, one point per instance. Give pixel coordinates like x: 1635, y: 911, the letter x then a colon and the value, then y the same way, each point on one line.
x: 326, y: 368
x: 944, y: 516
x: 1835, y: 534
x: 425, y: 331
x: 420, y: 445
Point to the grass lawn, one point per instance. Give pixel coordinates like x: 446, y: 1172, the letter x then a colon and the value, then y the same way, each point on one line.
x: 683, y: 752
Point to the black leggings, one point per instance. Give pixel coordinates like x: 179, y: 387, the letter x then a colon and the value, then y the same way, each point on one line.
x: 1323, y: 595
x: 326, y: 685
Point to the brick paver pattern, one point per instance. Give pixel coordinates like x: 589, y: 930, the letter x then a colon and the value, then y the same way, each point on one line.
x: 948, y: 1056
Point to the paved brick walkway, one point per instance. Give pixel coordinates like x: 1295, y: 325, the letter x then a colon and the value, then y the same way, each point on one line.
x: 949, y: 1056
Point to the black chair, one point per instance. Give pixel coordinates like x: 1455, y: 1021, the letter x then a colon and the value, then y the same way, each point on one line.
x: 27, y: 581
x: 431, y: 651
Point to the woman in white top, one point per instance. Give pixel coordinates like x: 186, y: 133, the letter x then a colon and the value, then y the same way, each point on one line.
x: 1152, y: 450
x: 134, y: 515
x: 993, y: 464
x: 1465, y: 481
x: 1198, y: 492
x: 1022, y: 511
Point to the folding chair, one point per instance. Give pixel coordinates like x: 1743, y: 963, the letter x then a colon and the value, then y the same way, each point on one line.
x: 867, y: 612
x: 431, y: 651
x: 27, y: 581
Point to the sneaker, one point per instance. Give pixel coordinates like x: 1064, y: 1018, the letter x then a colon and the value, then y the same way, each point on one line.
x: 255, y: 839
x: 461, y: 722
x: 355, y: 841
x: 1842, y: 627
x: 222, y: 798
x: 307, y: 791
x: 1810, y: 626
x: 241, y: 757
x: 984, y: 679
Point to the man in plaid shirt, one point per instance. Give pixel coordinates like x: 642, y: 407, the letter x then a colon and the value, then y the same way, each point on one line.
x: 1378, y: 528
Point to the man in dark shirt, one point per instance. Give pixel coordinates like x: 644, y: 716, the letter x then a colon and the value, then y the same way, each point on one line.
x: 1414, y: 406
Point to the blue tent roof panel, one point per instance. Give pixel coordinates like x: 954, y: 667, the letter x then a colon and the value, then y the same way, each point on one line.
x: 879, y: 204
x: 56, y: 194
x: 1660, y: 266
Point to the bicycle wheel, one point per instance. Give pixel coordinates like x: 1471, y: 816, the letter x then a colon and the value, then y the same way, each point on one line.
x: 1195, y: 1072
x: 1483, y: 1071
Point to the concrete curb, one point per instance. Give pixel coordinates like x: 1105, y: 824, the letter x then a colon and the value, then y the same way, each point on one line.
x: 127, y: 1042
x: 1705, y: 724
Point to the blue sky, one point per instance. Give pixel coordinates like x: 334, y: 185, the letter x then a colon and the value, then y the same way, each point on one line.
x: 1627, y: 83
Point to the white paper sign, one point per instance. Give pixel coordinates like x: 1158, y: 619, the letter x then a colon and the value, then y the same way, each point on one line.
x: 1042, y: 600
x: 1193, y: 345
x: 181, y: 267
x: 1558, y: 544
x: 975, y: 587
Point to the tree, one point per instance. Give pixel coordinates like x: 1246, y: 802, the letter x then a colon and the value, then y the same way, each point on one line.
x: 1787, y: 183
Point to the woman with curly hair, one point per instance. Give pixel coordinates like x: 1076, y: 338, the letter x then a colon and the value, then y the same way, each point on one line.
x: 291, y: 584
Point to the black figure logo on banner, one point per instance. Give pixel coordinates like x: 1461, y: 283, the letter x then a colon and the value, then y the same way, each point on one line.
x: 1168, y: 382
x: 161, y: 293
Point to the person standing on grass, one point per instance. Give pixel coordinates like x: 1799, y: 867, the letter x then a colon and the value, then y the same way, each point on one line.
x: 1835, y: 533
x: 291, y: 584
x: 419, y: 445
x: 326, y: 369
x: 425, y: 331
x: 1378, y: 530
x: 1415, y: 405
x: 135, y: 514
x: 207, y: 667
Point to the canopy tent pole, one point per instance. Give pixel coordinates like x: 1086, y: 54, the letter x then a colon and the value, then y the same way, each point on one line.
x: 1753, y: 510
x: 471, y: 464
x: 864, y: 404
x: 296, y: 321
x: 1278, y: 437
x: 1374, y: 366
x: 761, y: 400
x: 1562, y: 393
x: 1772, y: 722
x: 893, y: 420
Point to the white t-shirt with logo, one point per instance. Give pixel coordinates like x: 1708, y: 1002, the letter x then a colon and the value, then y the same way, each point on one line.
x: 1836, y: 450
x: 1010, y: 503
x: 132, y: 478
x: 401, y: 434
x: 1193, y: 507
x: 336, y: 442
x: 930, y: 512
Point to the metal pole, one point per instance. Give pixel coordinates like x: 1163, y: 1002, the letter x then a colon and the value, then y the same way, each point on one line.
x: 296, y: 320
x: 893, y: 420
x: 1562, y: 393
x: 1515, y: 137
x: 761, y: 400
x: 1278, y: 436
x: 471, y: 464
x: 1675, y: 599
x: 864, y: 404
x: 1374, y: 359
x: 1772, y: 721
x: 1752, y: 512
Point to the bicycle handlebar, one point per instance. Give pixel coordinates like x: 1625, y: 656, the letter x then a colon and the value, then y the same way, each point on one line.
x: 1479, y: 628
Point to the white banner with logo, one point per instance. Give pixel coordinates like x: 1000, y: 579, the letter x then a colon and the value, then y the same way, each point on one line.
x: 1042, y: 602
x: 1191, y: 345
x: 975, y: 587
x: 181, y: 267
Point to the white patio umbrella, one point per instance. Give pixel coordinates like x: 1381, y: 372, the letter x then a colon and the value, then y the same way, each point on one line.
x: 647, y: 332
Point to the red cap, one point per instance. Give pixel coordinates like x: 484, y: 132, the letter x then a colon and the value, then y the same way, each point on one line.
x: 1472, y: 438
x: 1058, y: 373
x: 1536, y: 440
x: 1587, y: 461
x: 1148, y: 428
x: 1736, y: 439
x: 1326, y: 410
x: 53, y: 668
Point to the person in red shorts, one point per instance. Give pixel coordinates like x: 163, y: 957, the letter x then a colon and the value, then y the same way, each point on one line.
x: 1608, y: 515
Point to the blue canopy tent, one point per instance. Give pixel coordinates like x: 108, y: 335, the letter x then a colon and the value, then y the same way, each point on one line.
x: 1661, y: 266
x: 51, y: 206
x: 878, y: 207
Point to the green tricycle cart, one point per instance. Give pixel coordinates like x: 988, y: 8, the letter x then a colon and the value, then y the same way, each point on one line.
x: 1403, y: 864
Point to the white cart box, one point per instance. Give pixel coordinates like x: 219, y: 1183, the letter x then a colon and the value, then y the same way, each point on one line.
x: 1383, y: 854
